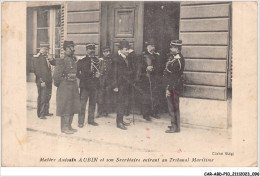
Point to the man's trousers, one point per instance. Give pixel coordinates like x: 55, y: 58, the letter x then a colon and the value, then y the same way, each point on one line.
x: 44, y: 96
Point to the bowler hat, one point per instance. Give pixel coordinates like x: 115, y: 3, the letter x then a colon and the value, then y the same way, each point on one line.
x: 176, y: 43
x: 90, y: 46
x: 44, y: 44
x: 124, y: 44
x: 106, y: 48
x: 67, y: 44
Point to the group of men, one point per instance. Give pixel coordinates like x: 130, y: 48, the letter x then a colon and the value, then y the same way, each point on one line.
x: 122, y: 76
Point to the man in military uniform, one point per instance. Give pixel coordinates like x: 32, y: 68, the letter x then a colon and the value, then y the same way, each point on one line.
x: 42, y: 68
x: 123, y: 73
x: 105, y: 89
x: 173, y: 80
x: 88, y: 72
x: 149, y: 73
x: 67, y: 97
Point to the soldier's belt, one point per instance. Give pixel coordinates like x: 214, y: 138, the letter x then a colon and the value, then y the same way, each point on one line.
x: 70, y: 77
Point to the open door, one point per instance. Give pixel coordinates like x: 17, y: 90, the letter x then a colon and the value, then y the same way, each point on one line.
x: 125, y: 21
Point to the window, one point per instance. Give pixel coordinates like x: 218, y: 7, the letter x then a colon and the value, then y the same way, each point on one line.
x: 47, y: 27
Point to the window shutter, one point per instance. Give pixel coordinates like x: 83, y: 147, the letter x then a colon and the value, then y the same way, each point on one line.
x: 62, y: 37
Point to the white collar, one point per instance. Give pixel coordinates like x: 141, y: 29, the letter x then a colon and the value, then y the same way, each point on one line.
x: 121, y: 54
x: 150, y: 52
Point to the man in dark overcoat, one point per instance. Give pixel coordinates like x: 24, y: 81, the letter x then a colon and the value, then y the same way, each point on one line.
x: 67, y: 97
x: 42, y: 68
x: 123, y: 75
x: 173, y: 81
x: 149, y: 73
x: 88, y: 72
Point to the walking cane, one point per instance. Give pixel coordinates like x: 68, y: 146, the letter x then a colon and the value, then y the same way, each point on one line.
x: 133, y: 102
x: 149, y: 77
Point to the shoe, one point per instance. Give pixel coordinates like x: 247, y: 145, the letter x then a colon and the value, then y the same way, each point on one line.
x: 67, y: 131
x: 127, y: 113
x: 172, y: 129
x: 147, y: 118
x: 49, y: 114
x: 126, y: 124
x: 177, y: 129
x: 43, y: 117
x: 80, y: 125
x: 99, y: 115
x: 93, y: 123
x: 121, y: 126
x: 73, y: 129
x: 156, y: 116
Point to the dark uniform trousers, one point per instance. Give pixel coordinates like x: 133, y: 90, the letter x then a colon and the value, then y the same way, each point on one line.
x: 173, y: 107
x: 104, y: 100
x: 105, y: 88
x: 85, y: 94
x: 89, y: 85
x: 44, y: 96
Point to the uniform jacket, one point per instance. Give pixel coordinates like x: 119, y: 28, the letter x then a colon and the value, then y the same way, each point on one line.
x: 123, y: 70
x: 173, y: 72
x: 67, y: 97
x: 86, y: 72
x: 105, y: 71
x: 42, y: 68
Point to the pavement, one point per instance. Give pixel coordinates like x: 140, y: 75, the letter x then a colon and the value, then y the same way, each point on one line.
x: 142, y: 136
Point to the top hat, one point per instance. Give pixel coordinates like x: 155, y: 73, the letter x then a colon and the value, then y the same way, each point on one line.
x: 90, y: 46
x: 150, y: 42
x: 176, y: 43
x: 67, y: 44
x: 44, y: 44
x: 124, y: 44
x: 106, y: 48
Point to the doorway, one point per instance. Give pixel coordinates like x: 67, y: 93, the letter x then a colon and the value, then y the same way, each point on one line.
x: 161, y: 22
x: 139, y: 21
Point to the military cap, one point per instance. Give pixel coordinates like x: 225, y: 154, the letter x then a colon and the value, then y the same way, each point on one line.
x: 176, y: 43
x: 90, y: 46
x: 67, y: 44
x: 44, y: 44
x: 150, y: 42
x: 124, y: 44
x: 106, y: 48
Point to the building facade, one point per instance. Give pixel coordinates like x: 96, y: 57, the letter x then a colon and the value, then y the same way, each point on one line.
x: 204, y: 27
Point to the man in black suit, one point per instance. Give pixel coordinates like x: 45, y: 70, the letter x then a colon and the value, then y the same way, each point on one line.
x: 88, y: 71
x: 123, y: 75
x: 42, y: 69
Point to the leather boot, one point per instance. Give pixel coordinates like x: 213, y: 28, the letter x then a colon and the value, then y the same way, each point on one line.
x: 121, y: 126
x: 147, y: 118
x: 172, y: 129
x: 62, y: 123
x: 126, y: 124
x: 70, y: 122
x: 66, y: 128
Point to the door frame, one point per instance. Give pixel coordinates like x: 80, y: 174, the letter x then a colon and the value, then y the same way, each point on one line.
x: 106, y: 32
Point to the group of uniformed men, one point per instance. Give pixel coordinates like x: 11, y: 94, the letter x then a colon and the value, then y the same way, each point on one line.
x: 121, y: 76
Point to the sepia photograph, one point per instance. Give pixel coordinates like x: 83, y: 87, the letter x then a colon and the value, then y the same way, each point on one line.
x: 131, y: 83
